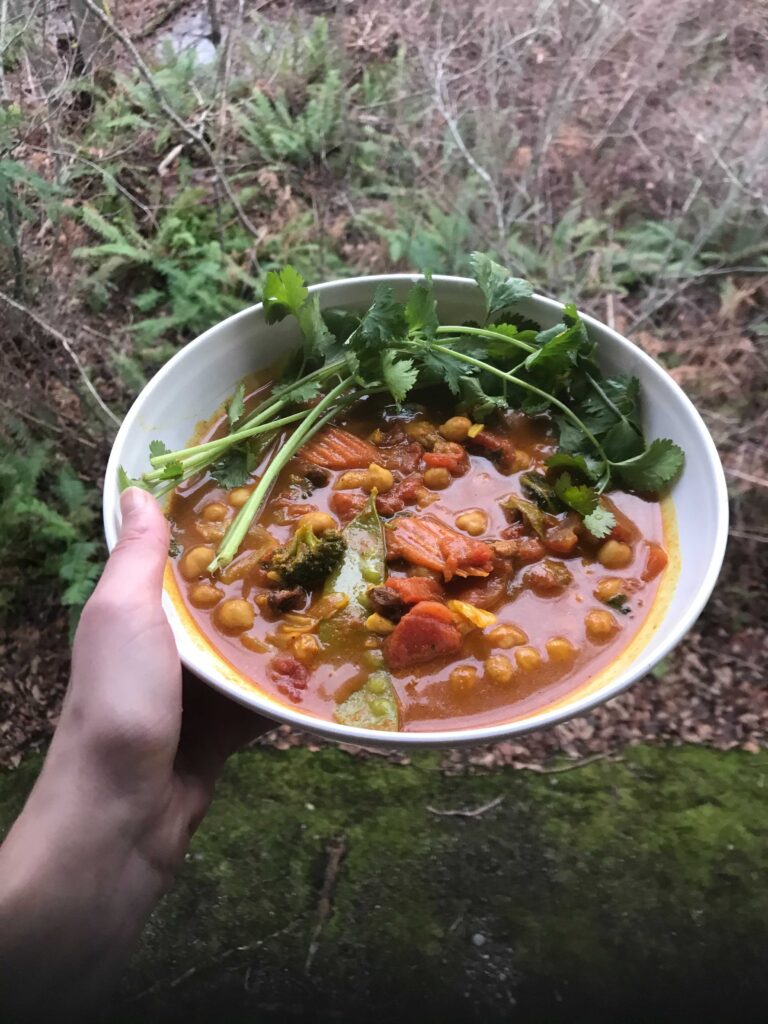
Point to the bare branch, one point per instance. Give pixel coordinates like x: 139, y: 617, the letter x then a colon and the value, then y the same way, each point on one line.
x: 196, y: 136
x: 67, y: 346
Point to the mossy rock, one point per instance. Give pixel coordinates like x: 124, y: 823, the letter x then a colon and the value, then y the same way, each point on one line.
x: 632, y: 891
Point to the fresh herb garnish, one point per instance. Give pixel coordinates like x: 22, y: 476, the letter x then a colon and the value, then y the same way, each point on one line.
x: 396, y: 347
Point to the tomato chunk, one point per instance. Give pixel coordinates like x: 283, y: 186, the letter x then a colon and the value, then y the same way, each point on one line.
x: 347, y: 504
x: 413, y: 589
x: 405, y: 492
x: 427, y: 631
x: 497, y: 447
x: 656, y: 562
x: 426, y: 541
x: 335, y: 448
x: 291, y: 676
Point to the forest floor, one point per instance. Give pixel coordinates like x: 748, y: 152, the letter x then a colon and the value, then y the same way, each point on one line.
x: 634, y: 889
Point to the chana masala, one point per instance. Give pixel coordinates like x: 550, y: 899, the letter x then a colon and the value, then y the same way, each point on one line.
x: 412, y: 568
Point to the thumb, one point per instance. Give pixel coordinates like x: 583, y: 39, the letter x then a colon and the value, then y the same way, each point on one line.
x: 135, y: 567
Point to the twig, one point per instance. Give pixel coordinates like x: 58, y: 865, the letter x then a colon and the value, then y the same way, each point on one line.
x: 213, y: 961
x: 336, y: 851
x: 749, y: 478
x: 67, y: 346
x: 466, y: 812
x: 159, y: 20
x: 479, y: 170
x: 196, y: 136
x: 568, y: 767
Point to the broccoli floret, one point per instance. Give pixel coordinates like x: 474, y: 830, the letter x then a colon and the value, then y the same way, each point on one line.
x: 308, y: 559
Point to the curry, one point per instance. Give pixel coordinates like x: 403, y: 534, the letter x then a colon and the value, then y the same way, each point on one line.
x: 460, y: 594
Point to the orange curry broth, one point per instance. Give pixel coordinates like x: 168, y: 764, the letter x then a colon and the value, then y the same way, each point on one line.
x: 428, y: 699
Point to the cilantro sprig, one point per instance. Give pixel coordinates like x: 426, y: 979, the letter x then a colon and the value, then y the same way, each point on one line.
x: 398, y: 345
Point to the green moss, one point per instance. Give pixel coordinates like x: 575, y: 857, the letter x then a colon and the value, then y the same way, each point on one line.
x: 634, y: 890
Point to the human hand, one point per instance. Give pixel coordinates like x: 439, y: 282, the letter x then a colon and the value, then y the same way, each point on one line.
x: 128, y: 777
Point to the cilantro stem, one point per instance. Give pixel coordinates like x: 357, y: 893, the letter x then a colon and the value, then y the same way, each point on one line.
x: 221, y: 443
x: 314, y: 420
x: 483, y: 332
x: 527, y: 387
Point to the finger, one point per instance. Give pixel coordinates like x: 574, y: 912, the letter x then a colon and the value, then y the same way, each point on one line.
x: 135, y: 567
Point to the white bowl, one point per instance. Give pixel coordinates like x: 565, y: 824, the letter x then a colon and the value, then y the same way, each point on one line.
x: 202, y: 375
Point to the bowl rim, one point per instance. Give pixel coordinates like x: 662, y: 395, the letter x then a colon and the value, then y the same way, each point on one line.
x: 257, y: 701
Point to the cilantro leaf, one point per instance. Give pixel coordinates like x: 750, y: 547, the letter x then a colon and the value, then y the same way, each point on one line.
x: 600, y: 522
x: 500, y: 290
x: 317, y: 337
x: 556, y: 358
x: 171, y: 470
x: 580, y: 497
x: 476, y: 400
x: 231, y: 470
x: 656, y: 467
x: 384, y: 322
x: 303, y: 391
x: 421, y: 308
x: 123, y: 480
x: 399, y: 375
x: 284, y: 293
x: 236, y: 405
x: 444, y: 370
x: 158, y: 448
x: 585, y: 466
x: 623, y: 441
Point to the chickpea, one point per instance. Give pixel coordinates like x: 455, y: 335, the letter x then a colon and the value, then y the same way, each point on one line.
x: 234, y: 615
x: 376, y: 436
x: 319, y: 521
x: 425, y: 497
x: 437, y: 478
x: 239, y: 496
x: 423, y: 432
x: 614, y: 555
x: 380, y: 478
x: 204, y: 595
x: 499, y: 669
x: 463, y: 678
x: 378, y: 624
x: 195, y: 562
x: 474, y: 523
x: 306, y: 648
x: 214, y: 512
x: 456, y: 428
x: 559, y: 648
x: 211, y: 532
x: 608, y: 588
x: 507, y: 636
x: 352, y: 479
x: 522, y: 461
x: 528, y: 659
x: 600, y: 625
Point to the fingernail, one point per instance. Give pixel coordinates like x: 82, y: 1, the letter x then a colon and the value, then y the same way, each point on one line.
x: 132, y: 500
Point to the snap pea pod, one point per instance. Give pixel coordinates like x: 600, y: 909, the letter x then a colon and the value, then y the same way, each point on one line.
x: 373, y: 706
x: 362, y: 567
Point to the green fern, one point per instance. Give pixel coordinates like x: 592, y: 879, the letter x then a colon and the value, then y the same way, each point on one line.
x: 48, y: 525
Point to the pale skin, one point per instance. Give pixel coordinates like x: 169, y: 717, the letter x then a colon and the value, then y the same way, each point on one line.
x: 128, y: 778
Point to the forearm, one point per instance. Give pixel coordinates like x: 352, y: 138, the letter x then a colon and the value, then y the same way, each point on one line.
x: 75, y: 891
